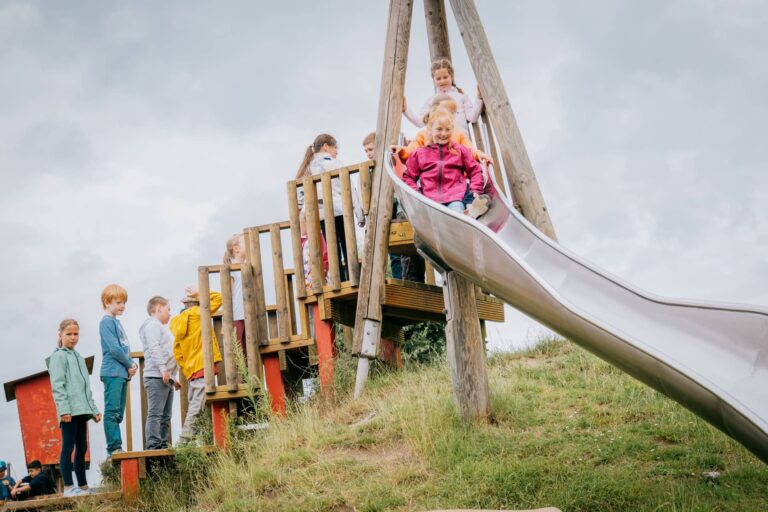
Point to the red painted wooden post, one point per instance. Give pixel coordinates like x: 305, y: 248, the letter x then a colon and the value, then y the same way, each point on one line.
x: 129, y: 479
x: 274, y: 380
x: 389, y: 352
x: 325, y: 336
x: 220, y: 417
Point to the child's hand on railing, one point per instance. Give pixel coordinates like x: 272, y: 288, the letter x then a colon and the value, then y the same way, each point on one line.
x: 484, y: 159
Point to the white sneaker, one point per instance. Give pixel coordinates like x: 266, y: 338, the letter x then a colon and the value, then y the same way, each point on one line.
x: 73, y: 491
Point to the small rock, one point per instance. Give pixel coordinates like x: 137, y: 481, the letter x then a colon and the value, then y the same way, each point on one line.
x: 711, y: 475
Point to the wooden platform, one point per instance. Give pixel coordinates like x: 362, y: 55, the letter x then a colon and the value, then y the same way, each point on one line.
x: 58, y: 501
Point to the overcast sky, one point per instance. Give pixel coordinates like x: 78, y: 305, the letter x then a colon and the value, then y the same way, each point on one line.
x: 134, y: 139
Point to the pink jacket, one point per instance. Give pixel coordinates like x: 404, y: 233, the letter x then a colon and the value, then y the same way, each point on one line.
x: 443, y: 171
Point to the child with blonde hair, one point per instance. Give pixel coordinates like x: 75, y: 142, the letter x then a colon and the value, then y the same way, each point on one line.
x: 235, y: 253
x: 445, y: 83
x: 441, y: 169
x: 117, y: 367
x: 74, y: 405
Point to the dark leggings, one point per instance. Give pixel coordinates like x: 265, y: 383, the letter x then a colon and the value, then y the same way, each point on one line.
x: 341, y: 244
x: 74, y: 436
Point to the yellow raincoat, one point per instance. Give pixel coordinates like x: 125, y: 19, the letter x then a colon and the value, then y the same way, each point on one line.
x: 188, y: 339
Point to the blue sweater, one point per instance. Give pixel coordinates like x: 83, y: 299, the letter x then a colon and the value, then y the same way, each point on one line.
x: 115, y: 352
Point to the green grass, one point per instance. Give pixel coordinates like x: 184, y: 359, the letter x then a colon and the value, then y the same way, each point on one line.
x: 568, y: 431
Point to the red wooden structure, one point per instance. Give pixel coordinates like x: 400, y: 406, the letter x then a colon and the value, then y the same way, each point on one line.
x: 37, y: 416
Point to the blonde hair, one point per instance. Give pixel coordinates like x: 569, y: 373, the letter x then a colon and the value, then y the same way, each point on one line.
x: 63, y: 325
x: 444, y: 63
x: 436, y: 101
x: 113, y: 292
x: 440, y: 115
x: 154, y: 302
x: 369, y: 139
x: 313, y: 148
x: 231, y: 243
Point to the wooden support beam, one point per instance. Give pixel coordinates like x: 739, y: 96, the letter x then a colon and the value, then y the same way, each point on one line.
x: 253, y: 245
x: 227, y: 329
x: 283, y: 320
x: 312, y: 223
x: 518, y: 166
x: 220, y: 421
x: 466, y: 350
x: 253, y: 359
x: 144, y: 404
x: 330, y: 233
x: 437, y: 29
x: 128, y: 417
x: 324, y: 335
x: 129, y: 480
x: 298, y: 255
x: 353, y: 263
x: 274, y: 379
x: 206, y: 329
x: 365, y: 185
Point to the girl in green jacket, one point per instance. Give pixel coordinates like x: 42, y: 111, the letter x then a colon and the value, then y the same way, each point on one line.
x: 74, y: 405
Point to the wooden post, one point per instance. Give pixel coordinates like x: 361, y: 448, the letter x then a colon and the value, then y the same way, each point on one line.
x: 277, y: 267
x: 330, y: 233
x: 260, y: 308
x: 312, y: 222
x: 324, y: 336
x: 206, y: 329
x: 129, y: 479
x: 230, y: 365
x: 375, y: 251
x: 251, y: 323
x: 437, y: 29
x: 520, y: 173
x: 466, y: 350
x: 494, y: 154
x: 365, y: 185
x: 298, y: 255
x: 144, y: 404
x: 128, y: 418
x: 353, y: 263
x: 429, y: 272
x: 220, y: 423
x: 183, y: 400
x: 274, y: 380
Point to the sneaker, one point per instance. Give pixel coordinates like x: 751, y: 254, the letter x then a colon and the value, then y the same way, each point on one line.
x: 479, y: 206
x: 71, y: 492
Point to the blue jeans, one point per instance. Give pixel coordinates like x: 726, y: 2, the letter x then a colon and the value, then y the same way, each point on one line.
x: 115, y: 389
x: 457, y: 206
x: 159, y: 409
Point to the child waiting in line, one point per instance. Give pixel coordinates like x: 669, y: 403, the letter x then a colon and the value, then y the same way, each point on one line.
x: 445, y: 83
x: 7, y: 483
x: 440, y: 170
x: 188, y: 351
x: 35, y: 484
x: 117, y: 367
x: 369, y: 145
x: 74, y: 405
x: 320, y: 157
x: 159, y: 372
x: 235, y: 253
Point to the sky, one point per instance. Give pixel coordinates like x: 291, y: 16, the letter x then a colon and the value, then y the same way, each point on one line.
x: 135, y: 138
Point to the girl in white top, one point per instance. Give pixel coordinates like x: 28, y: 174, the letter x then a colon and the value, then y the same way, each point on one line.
x: 320, y: 157
x: 236, y: 254
x: 445, y: 83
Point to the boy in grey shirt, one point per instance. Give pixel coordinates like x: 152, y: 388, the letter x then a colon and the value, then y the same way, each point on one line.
x: 160, y: 370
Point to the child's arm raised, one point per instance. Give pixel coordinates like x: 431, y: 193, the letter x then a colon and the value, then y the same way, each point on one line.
x: 110, y: 335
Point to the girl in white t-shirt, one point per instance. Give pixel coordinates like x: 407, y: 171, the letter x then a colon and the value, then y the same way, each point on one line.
x: 445, y: 83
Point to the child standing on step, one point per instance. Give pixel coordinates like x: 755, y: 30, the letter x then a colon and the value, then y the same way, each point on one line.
x: 188, y: 351
x: 235, y: 253
x: 74, y: 405
x: 441, y: 169
x: 117, y: 367
x: 445, y: 83
x: 320, y: 157
x: 159, y: 372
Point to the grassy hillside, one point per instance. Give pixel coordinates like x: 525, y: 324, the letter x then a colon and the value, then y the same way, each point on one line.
x: 568, y: 431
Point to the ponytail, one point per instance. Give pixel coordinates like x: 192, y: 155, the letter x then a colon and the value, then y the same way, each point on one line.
x: 315, y: 147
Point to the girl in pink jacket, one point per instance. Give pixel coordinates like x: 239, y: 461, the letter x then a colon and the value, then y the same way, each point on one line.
x: 440, y: 169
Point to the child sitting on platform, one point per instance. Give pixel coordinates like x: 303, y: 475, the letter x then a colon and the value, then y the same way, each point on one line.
x: 188, y: 351
x: 35, y: 484
x: 74, y: 405
x: 440, y: 170
x: 7, y: 483
x: 235, y: 253
x: 159, y: 372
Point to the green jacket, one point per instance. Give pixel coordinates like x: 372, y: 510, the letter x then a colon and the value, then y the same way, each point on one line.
x: 69, y: 383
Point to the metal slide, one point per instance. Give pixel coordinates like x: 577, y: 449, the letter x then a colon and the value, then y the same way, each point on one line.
x: 711, y: 358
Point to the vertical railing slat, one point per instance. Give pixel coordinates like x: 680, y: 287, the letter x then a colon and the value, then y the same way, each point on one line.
x: 227, y: 328
x: 251, y: 323
x: 206, y: 329
x: 260, y: 302
x: 298, y: 255
x: 312, y: 222
x: 353, y: 263
x: 277, y: 266
x: 330, y: 233
x: 365, y: 185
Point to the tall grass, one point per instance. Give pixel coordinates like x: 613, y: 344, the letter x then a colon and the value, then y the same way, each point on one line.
x: 567, y: 431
